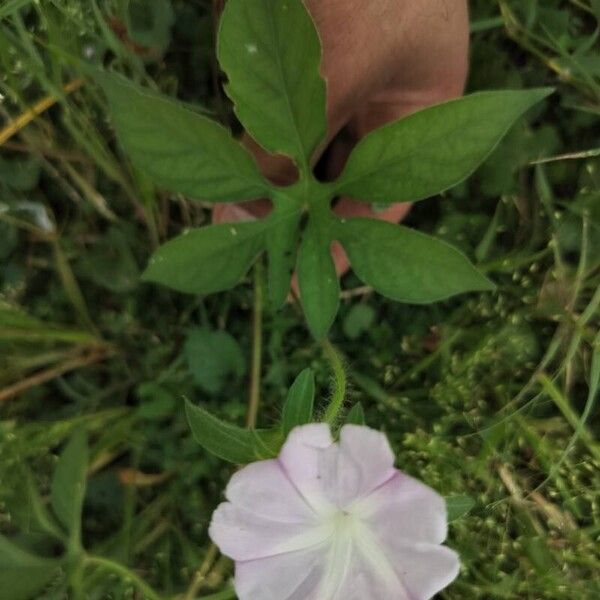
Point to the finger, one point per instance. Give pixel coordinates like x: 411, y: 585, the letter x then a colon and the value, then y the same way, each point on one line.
x: 349, y: 208
x: 248, y: 211
x: 404, y: 95
x: 352, y: 64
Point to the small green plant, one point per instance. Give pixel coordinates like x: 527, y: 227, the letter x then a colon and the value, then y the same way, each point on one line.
x: 271, y: 54
x: 25, y: 572
x: 491, y: 402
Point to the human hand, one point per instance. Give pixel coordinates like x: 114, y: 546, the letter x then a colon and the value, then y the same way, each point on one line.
x: 382, y: 61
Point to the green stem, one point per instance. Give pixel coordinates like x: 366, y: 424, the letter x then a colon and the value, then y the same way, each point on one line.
x: 201, y: 573
x: 71, y: 287
x: 125, y: 573
x: 76, y: 582
x: 336, y: 404
x: 257, y: 325
x: 486, y: 24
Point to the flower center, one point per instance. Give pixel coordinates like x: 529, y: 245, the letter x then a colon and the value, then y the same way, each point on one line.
x: 352, y: 542
x: 343, y: 524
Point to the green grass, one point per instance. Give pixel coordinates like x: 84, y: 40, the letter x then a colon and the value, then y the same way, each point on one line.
x: 484, y: 397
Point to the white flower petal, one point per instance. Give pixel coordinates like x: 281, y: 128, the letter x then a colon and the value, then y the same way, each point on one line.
x: 401, y: 572
x: 365, y: 462
x: 364, y: 581
x: 263, y: 488
x: 425, y: 569
x: 405, y: 509
x: 332, y: 475
x: 303, y: 458
x: 334, y: 522
x: 243, y: 535
x: 290, y: 576
x: 358, y: 567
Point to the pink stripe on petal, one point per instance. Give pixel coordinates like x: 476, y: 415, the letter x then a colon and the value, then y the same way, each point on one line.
x: 302, y: 458
x: 335, y: 475
x: 263, y: 488
x: 404, y: 510
x: 363, y: 581
x: 425, y: 569
x: 243, y: 535
x: 365, y: 462
x: 291, y: 576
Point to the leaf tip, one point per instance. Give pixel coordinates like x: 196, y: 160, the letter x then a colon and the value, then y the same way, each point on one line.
x: 356, y: 415
x: 146, y: 275
x: 536, y: 95
x: 188, y: 407
x: 319, y: 331
x: 487, y: 285
x: 546, y: 91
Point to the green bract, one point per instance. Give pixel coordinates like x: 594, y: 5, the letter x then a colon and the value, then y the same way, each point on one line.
x: 271, y: 53
x: 229, y: 442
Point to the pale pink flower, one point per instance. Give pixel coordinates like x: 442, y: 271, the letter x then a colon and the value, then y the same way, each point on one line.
x: 333, y: 521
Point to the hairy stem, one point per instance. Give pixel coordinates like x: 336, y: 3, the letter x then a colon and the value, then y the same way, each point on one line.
x: 336, y: 404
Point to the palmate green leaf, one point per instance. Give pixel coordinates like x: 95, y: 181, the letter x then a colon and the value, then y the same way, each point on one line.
x: 178, y: 148
x: 406, y: 265
x: 209, y: 259
x: 229, y: 442
x: 282, y: 248
x: 298, y: 407
x: 318, y: 281
x: 23, y: 575
x: 69, y: 483
x: 433, y: 149
x: 271, y: 53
